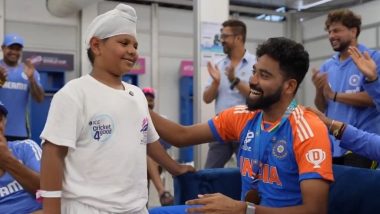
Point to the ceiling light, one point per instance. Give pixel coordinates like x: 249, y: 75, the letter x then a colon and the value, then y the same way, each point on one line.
x: 314, y: 4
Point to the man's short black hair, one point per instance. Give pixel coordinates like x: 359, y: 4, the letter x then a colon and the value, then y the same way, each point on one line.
x: 238, y: 27
x: 291, y: 56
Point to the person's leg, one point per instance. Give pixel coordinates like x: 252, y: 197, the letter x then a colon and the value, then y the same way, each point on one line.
x: 154, y: 174
x: 218, y: 154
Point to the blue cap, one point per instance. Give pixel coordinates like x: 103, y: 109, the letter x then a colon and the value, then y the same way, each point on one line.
x: 13, y: 38
x: 3, y: 110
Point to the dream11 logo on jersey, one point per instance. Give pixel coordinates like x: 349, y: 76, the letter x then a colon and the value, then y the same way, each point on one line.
x: 316, y: 157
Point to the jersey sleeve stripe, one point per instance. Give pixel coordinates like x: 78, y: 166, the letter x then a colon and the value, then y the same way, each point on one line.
x: 214, y: 131
x: 306, y: 124
x: 241, y: 109
x: 36, y: 149
x: 303, y: 127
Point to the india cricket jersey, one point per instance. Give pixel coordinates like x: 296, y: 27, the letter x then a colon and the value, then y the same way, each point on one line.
x: 275, y: 157
x: 13, y: 197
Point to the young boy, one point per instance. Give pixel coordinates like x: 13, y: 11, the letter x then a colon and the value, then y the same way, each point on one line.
x: 99, y: 130
x: 154, y: 170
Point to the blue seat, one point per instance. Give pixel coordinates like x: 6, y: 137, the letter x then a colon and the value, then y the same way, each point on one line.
x: 224, y: 180
x: 355, y: 190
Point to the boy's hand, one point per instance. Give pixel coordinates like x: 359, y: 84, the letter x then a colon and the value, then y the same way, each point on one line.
x: 184, y: 169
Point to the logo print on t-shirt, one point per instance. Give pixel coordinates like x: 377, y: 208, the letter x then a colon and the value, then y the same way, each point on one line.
x: 102, y: 127
x: 279, y: 149
x: 144, y: 131
x: 354, y: 80
x: 316, y: 157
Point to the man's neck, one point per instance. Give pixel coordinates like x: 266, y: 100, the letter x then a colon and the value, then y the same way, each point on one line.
x: 237, y: 54
x: 9, y: 64
x: 276, y: 111
x: 343, y: 55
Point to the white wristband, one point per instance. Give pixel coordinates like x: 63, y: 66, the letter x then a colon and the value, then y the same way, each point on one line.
x: 48, y: 194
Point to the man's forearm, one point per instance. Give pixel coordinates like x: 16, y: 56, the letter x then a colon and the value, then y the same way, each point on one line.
x: 360, y: 99
x: 36, y: 91
x: 179, y: 135
x: 27, y: 178
x: 211, y: 92
x: 320, y: 102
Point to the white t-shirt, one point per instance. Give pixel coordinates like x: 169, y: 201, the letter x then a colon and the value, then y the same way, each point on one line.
x: 107, y: 131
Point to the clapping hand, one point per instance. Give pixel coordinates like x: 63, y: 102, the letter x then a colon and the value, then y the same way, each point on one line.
x: 230, y: 72
x: 214, y: 72
x: 319, y: 79
x: 29, y: 68
x: 364, y: 62
x: 3, y: 76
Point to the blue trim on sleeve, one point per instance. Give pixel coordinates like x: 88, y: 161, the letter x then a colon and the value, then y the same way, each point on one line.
x: 214, y: 131
x: 310, y: 175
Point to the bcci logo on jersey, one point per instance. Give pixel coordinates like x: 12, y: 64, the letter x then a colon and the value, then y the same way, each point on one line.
x: 279, y: 149
x: 101, y: 127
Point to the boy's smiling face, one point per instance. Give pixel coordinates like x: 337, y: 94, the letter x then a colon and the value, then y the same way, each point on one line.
x: 117, y: 54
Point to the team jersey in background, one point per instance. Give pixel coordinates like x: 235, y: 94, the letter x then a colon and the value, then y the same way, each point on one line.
x: 13, y: 197
x: 344, y: 77
x: 15, y: 95
x: 276, y: 157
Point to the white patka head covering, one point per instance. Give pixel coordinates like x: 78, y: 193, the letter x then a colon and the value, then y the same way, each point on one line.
x: 121, y: 20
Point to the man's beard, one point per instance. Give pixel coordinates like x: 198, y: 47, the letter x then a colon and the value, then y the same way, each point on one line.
x: 264, y: 102
x: 226, y: 48
x: 342, y: 46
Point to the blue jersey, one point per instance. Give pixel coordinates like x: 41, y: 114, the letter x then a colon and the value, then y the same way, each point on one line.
x: 275, y: 157
x: 361, y: 142
x: 373, y: 90
x: 344, y: 77
x: 13, y: 197
x: 15, y: 95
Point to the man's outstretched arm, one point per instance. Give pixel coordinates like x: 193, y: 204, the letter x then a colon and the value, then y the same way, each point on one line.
x: 179, y: 135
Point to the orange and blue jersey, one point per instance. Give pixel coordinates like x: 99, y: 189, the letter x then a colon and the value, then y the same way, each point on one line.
x: 275, y: 157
